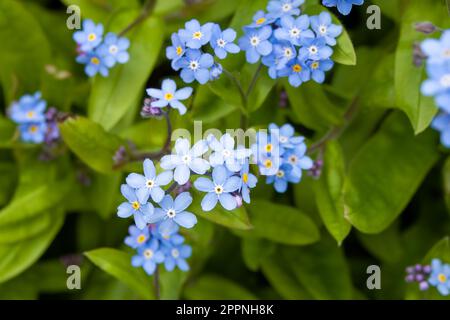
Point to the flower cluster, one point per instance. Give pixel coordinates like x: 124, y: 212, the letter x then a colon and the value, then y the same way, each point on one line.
x: 154, y: 248
x: 281, y: 156
x: 35, y: 125
x: 343, y: 6
x: 437, y: 52
x: 188, y: 51
x: 169, y: 96
x: 98, y: 53
x: 437, y: 275
x: 290, y: 45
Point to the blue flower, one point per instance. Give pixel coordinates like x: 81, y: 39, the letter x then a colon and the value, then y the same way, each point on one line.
x: 142, y: 211
x: 195, y: 65
x: 294, y: 30
x: 248, y: 181
x: 195, y: 36
x: 284, y: 52
x: 315, y: 49
x: 260, y: 19
x: 90, y: 37
x: 271, y: 61
x: 33, y: 132
x: 224, y: 153
x: 324, y: 28
x: 149, y: 184
x: 148, y: 257
x: 173, y: 214
x: 29, y: 109
x: 343, y: 6
x: 280, y: 8
x: 176, y: 51
x: 297, y: 72
x: 170, y: 96
x: 186, y: 159
x: 437, y: 50
x: 114, y: 50
x: 137, y: 237
x: 215, y: 72
x: 219, y: 189
x: 94, y: 64
x: 318, y: 69
x: 285, y: 135
x: 442, y: 124
x: 438, y: 84
x: 176, y: 254
x: 283, y: 176
x: 267, y: 153
x: 255, y: 43
x: 222, y: 42
x: 297, y: 160
x: 440, y: 276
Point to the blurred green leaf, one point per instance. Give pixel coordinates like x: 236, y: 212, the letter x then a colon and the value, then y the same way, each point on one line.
x: 101, y: 10
x: 171, y: 283
x: 386, y: 173
x: 118, y: 264
x: 255, y: 251
x: 206, y: 288
x: 7, y: 131
x: 446, y: 182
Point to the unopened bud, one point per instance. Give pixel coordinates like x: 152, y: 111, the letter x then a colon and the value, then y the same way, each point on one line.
x: 148, y: 111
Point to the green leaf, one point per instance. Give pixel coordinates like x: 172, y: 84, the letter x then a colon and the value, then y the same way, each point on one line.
x: 386, y: 173
x: 206, y: 288
x: 280, y: 223
x: 171, y: 283
x: 328, y: 192
x: 321, y: 268
x: 408, y: 78
x: 254, y: 251
x: 446, y: 182
x: 108, y: 102
x: 91, y: 143
x: 101, y: 10
x: 7, y: 131
x: 236, y: 219
x: 118, y: 264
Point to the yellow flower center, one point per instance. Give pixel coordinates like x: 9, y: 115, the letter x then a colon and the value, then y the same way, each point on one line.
x: 245, y: 177
x: 92, y: 37
x: 136, y: 205
x: 30, y: 114
x: 296, y: 68
x: 179, y: 51
x: 268, y: 163
x: 95, y: 60
x: 261, y: 20
x: 197, y: 35
x: 33, y: 129
x: 168, y: 96
x: 269, y: 147
x: 141, y: 238
x: 315, y: 65
x: 442, y: 278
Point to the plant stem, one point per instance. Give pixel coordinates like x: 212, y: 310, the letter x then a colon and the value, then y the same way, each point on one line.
x: 156, y: 284
x: 146, y: 11
x: 254, y: 80
x: 238, y: 85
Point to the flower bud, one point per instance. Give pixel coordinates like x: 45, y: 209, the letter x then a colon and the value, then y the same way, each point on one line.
x: 425, y: 27
x: 148, y: 111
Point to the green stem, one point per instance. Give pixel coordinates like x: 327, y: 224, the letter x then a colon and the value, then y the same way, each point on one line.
x: 156, y: 284
x: 238, y: 85
x: 146, y: 11
x: 254, y: 80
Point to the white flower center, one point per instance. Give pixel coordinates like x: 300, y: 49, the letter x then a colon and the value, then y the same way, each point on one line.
x: 171, y: 213
x: 313, y: 49
x: 283, y: 139
x: 150, y: 184
x: 280, y: 174
x: 226, y: 153
x: 293, y: 159
x: 287, y: 52
x: 186, y: 159
x: 294, y: 33
x: 148, y: 254
x: 175, y: 253
x: 113, y: 49
x: 323, y: 29
x: 193, y: 65
x: 445, y: 81
x: 197, y: 35
x: 286, y: 7
x: 254, y: 41
x: 218, y: 190
x: 446, y: 53
x: 221, y: 43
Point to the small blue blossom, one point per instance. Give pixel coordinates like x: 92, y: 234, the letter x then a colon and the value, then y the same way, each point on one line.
x: 324, y: 28
x: 255, y: 43
x: 176, y: 51
x: 186, y: 159
x: 315, y: 49
x: 441, y: 123
x: 294, y: 30
x: 141, y: 211
x: 94, y: 64
x: 176, y: 254
x: 440, y: 276
x: 297, y: 160
x: 215, y: 72
x: 284, y: 52
x: 285, y: 135
x: 248, y: 181
x: 297, y: 72
x: 318, y: 69
x: 149, y: 256
x: 170, y: 96
x: 267, y: 153
x: 137, y: 237
x: 90, y: 37
x: 114, y: 50
x: 438, y: 84
x: 33, y: 132
x: 260, y: 19
x: 29, y: 109
x: 224, y: 153
x: 437, y: 50
x: 149, y: 184
x: 281, y: 8
x: 281, y: 179
x: 173, y: 214
x: 222, y: 42
x: 343, y: 6
x: 195, y: 66
x: 271, y: 61
x: 219, y: 189
x: 195, y: 35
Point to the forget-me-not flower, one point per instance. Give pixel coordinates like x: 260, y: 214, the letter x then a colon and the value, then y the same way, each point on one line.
x: 148, y: 257
x: 255, y: 43
x: 280, y: 8
x: 137, y: 237
x: 437, y: 50
x: 33, y: 132
x: 260, y: 19
x: 438, y: 84
x: 176, y: 51
x: 224, y: 153
x: 29, y: 109
x: 141, y: 211
x: 281, y: 179
x: 90, y: 37
x: 324, y: 28
x: 297, y: 159
x: 195, y: 66
x: 248, y: 181
x: 195, y: 35
x: 222, y: 42
x: 170, y: 96
x: 297, y: 72
x: 315, y: 49
x: 343, y: 6
x: 114, y: 50
x: 440, y: 276
x: 294, y: 30
x: 318, y: 69
x: 94, y: 64
x: 176, y: 254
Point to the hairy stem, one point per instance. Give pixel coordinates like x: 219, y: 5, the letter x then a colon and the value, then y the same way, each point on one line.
x: 146, y: 11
